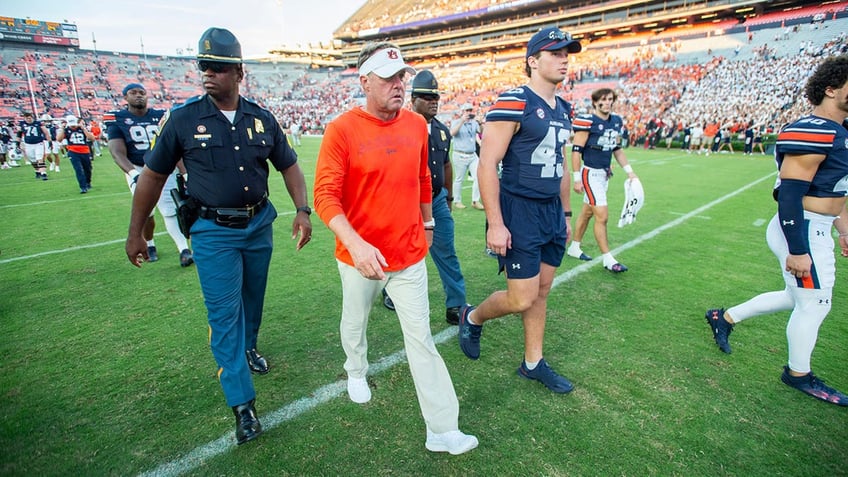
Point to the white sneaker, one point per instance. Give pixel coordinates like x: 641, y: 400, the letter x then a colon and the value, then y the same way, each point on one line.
x: 57, y: 168
x: 358, y: 390
x: 454, y: 442
x: 52, y: 167
x: 5, y: 166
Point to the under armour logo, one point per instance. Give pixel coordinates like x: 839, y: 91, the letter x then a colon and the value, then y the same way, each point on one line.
x: 788, y: 222
x: 516, y: 266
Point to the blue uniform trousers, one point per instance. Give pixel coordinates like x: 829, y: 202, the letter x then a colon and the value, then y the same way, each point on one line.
x: 232, y: 265
x: 443, y: 252
x: 82, y: 168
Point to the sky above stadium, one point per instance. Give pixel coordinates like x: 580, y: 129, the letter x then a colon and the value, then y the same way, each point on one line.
x: 163, y: 26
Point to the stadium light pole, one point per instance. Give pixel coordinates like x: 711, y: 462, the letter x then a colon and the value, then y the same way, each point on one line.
x: 94, y: 42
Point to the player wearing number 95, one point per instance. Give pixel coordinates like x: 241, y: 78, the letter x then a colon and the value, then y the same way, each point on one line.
x: 526, y: 131
x: 130, y: 133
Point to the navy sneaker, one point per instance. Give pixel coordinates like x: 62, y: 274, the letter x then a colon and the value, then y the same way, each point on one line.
x: 469, y: 334
x: 387, y: 301
x: 814, y: 386
x: 721, y: 328
x: 186, y: 258
x: 547, y: 376
x: 616, y: 268
x: 152, y: 256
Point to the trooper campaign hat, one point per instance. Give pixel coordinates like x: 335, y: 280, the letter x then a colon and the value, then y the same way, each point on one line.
x: 219, y: 45
x: 425, y: 83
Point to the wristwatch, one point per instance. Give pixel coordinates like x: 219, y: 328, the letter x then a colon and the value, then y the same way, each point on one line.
x: 306, y: 209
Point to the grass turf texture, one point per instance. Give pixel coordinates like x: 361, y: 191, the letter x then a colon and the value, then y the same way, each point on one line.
x: 105, y: 369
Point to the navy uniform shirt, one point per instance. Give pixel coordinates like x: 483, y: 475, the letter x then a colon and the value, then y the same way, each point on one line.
x: 136, y: 131
x: 816, y: 135
x: 32, y: 132
x: 532, y: 165
x: 440, y: 141
x: 603, y: 138
x: 227, y: 162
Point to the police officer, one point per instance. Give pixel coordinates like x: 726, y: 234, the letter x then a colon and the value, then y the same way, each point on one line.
x: 225, y: 142
x: 425, y: 101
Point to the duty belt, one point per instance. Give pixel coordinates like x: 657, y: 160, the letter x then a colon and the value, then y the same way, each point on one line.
x: 233, y: 217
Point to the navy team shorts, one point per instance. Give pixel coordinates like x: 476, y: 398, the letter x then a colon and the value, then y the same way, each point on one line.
x: 538, y: 235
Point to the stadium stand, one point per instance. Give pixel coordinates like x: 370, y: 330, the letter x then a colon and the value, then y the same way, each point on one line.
x: 729, y: 69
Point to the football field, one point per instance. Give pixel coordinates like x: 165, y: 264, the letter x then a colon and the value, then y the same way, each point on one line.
x: 105, y: 369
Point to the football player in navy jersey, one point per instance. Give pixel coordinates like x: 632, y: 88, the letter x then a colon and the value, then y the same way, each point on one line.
x: 130, y: 133
x: 34, y: 134
x: 812, y: 160
x: 526, y: 131
x: 596, y: 141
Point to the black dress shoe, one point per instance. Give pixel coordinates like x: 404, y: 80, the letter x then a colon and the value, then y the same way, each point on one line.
x: 247, y: 424
x: 256, y: 362
x: 452, y: 315
x: 387, y: 301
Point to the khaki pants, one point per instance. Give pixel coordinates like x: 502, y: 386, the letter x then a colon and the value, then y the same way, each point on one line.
x: 408, y: 290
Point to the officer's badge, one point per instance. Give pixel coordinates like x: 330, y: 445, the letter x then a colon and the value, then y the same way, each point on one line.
x: 201, y: 128
x: 258, y: 126
x: 207, y: 45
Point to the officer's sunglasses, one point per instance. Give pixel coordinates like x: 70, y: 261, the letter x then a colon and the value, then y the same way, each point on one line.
x: 215, y: 66
x: 428, y: 97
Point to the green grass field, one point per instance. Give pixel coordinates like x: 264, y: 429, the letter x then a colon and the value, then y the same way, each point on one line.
x: 105, y: 368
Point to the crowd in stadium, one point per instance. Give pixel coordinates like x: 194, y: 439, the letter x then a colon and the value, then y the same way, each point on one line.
x: 756, y: 82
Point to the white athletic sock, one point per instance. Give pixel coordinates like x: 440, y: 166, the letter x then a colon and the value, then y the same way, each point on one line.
x: 469, y: 318
x: 574, y: 248
x: 151, y: 243
x: 531, y: 366
x: 174, y: 231
x: 762, y: 304
x: 609, y: 260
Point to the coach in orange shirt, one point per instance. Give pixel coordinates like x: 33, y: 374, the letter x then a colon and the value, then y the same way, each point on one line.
x: 373, y: 190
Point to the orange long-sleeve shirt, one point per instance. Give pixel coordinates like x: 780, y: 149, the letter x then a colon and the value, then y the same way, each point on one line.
x: 375, y: 173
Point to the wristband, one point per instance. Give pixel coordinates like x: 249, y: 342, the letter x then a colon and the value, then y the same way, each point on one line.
x: 628, y: 169
x: 790, y: 212
x: 430, y: 223
x: 133, y: 175
x: 567, y: 213
x: 576, y: 148
x: 577, y: 176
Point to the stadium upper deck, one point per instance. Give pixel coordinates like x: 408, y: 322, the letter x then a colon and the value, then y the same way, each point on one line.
x: 444, y: 31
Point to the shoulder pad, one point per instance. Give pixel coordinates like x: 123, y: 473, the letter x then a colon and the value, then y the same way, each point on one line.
x: 110, y: 116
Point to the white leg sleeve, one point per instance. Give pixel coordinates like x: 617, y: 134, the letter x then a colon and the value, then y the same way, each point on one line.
x: 173, y: 227
x: 802, y: 331
x: 771, y: 302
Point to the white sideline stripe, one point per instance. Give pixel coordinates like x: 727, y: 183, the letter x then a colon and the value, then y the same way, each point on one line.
x: 91, y: 245
x: 57, y: 201
x: 199, y: 455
